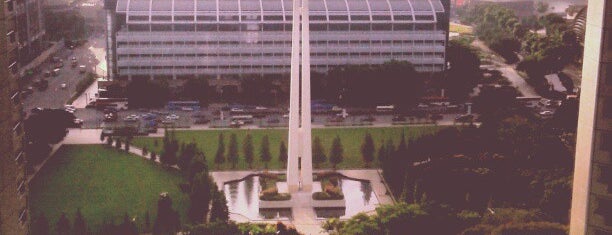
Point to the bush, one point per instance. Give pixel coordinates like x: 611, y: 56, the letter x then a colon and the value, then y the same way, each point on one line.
x: 532, y: 228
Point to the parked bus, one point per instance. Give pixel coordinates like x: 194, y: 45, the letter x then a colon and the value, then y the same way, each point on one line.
x: 385, y: 108
x: 117, y: 103
x: 247, y: 119
x: 183, y: 105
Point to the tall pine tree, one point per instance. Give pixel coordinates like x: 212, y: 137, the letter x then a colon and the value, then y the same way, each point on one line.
x: 247, y: 149
x: 264, y: 152
x: 282, y: 153
x: 232, y: 150
x: 337, y: 152
x: 318, y: 153
x: 219, y: 211
x: 220, y: 155
x: 367, y: 149
x: 80, y: 228
x: 63, y: 225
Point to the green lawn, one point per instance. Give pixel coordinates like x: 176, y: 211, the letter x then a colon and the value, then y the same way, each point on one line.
x: 105, y: 183
x: 207, y: 141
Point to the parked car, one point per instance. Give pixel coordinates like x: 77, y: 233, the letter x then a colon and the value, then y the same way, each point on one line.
x: 369, y: 118
x: 63, y: 86
x: 464, y: 118
x: 55, y: 72
x: 77, y: 123
x: 398, y: 118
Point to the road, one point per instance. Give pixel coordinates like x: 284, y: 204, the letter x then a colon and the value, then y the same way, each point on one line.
x: 507, y: 70
x: 56, y: 97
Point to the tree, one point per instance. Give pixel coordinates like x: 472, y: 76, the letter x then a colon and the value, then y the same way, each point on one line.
x: 232, y: 150
x: 219, y: 156
x: 200, y: 196
x: 139, y: 93
x: 147, y: 224
x: 80, y: 228
x: 362, y: 224
x: 167, y: 221
x: 318, y: 153
x: 48, y: 126
x: 264, y: 152
x: 282, y: 153
x: 219, y: 211
x: 198, y: 89
x: 247, y: 149
x: 40, y: 225
x: 118, y: 143
x: 464, y: 70
x: 336, y: 153
x: 63, y: 225
x: 127, y: 146
x: 382, y: 152
x: 153, y: 156
x: 109, y: 141
x: 187, y: 154
x: 367, y: 149
x: 145, y: 151
x: 170, y: 149
x: 127, y: 227
x: 198, y: 165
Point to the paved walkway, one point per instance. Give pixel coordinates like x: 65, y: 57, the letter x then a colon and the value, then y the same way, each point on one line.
x: 507, y: 70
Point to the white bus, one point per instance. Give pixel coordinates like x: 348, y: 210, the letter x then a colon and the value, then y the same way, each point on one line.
x: 247, y: 119
x: 385, y: 108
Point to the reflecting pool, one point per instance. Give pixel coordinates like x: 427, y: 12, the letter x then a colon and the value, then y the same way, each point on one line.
x: 243, y: 199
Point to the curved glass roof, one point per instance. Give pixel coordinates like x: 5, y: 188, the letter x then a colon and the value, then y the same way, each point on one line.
x: 280, y: 7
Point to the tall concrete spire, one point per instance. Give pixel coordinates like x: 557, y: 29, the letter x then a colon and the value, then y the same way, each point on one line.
x: 300, y: 139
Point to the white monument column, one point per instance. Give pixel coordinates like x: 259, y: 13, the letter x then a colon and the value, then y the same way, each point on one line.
x: 306, y: 139
x: 293, y: 173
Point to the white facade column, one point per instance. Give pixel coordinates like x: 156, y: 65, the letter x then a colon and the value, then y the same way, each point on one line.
x: 294, y: 103
x: 306, y: 139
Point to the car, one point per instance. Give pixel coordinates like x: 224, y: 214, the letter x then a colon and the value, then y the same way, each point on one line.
x: 69, y: 106
x: 77, y: 123
x: 236, y: 110
x: 82, y: 69
x: 47, y: 73
x: 546, y: 113
x: 172, y: 117
x: 167, y: 121
x: 273, y: 120
x: 236, y: 124
x: 398, y: 118
x: 110, y: 117
x: 368, y: 119
x: 464, y: 118
x: 261, y: 108
x: 37, y: 110
x: 59, y: 65
x: 27, y: 91
x: 63, y: 86
x: 55, y: 72
x: 149, y: 116
x: 131, y: 118
x: 336, y: 119
x: 421, y: 105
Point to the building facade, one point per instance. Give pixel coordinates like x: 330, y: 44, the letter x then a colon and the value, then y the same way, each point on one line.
x: 29, y: 28
x: 13, y: 187
x: 183, y: 38
x: 591, y: 212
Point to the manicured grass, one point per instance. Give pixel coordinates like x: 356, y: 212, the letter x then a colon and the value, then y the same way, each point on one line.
x: 461, y: 29
x: 105, y: 184
x: 351, y: 138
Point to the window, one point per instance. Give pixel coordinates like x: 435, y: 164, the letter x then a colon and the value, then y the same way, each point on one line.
x: 20, y: 158
x: 317, y: 17
x: 606, y: 142
x: 273, y: 27
x: 381, y: 17
x: 21, y: 188
x: 11, y: 36
x: 138, y: 18
x: 161, y: 18
x: 360, y: 17
x: 183, y: 18
x: 273, y: 17
x: 424, y: 17
x: 360, y: 27
x: 338, y: 27
x: 402, y: 17
x: 15, y: 98
x: 399, y: 27
x: 161, y: 27
x: 206, y: 27
x: 424, y: 27
x: 318, y: 27
x: 184, y: 27
x: 381, y: 27
x: 138, y: 27
x: 206, y: 18
x: 338, y: 17
x: 607, y: 73
x: 23, y: 216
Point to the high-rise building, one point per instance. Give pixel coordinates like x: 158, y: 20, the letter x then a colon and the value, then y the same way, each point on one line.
x: 591, y: 212
x: 13, y: 187
x: 184, y: 38
x: 29, y: 28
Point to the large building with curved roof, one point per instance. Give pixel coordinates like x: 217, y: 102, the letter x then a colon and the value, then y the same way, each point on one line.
x: 182, y: 38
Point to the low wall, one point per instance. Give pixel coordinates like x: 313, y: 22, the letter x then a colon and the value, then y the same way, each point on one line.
x: 276, y: 204
x: 328, y: 203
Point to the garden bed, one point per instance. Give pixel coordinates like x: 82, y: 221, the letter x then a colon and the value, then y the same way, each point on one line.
x: 269, y: 190
x: 330, y: 187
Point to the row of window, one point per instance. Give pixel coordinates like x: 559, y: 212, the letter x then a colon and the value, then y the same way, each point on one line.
x: 235, y: 18
x: 287, y: 42
x: 238, y: 67
x: 190, y: 27
x: 416, y: 54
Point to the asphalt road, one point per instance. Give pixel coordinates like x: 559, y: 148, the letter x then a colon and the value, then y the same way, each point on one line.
x: 54, y: 96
